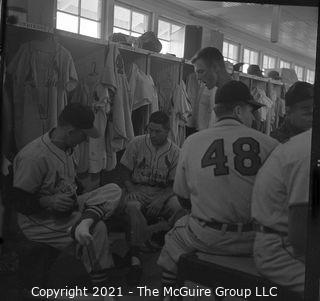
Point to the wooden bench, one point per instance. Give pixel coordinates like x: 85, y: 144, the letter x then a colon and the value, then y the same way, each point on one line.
x: 231, y: 272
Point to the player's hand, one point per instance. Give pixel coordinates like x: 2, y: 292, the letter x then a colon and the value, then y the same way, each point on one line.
x: 137, y: 196
x: 154, y: 208
x: 59, y: 202
x: 82, y: 234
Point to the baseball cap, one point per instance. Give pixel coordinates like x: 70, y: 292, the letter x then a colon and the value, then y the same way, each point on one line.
x: 233, y: 92
x: 274, y: 75
x: 254, y: 70
x: 81, y: 117
x: 298, y: 92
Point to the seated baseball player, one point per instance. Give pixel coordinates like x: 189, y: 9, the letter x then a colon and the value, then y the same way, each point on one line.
x: 280, y: 208
x: 299, y: 104
x: 148, y: 166
x: 216, y: 171
x: 45, y: 194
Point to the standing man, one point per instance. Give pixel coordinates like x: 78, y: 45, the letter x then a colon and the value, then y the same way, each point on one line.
x: 210, y: 69
x: 46, y: 197
x: 280, y: 208
x: 299, y: 106
x: 216, y: 172
x: 149, y: 165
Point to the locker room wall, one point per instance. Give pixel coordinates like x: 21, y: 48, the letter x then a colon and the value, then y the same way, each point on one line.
x: 42, y: 11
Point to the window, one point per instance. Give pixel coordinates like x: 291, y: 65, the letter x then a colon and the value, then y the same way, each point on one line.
x: 250, y: 57
x: 129, y: 21
x: 284, y: 64
x: 299, y: 72
x: 230, y: 52
x: 80, y: 16
x: 310, y: 76
x: 171, y: 36
x: 269, y: 62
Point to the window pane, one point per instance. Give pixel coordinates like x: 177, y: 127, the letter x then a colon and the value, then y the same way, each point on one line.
x: 234, y: 54
x: 165, y: 46
x: 121, y: 17
x: 67, y: 22
x: 246, y: 56
x: 175, y: 28
x: 245, y: 68
x: 139, y: 22
x: 164, y: 30
x: 70, y: 6
x: 116, y: 29
x: 90, y: 28
x: 265, y: 62
x: 272, y: 62
x: 254, y: 57
x: 177, y: 41
x: 91, y: 9
x: 225, y: 49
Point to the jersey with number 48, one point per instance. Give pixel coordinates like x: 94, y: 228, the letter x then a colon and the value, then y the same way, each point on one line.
x: 217, y: 169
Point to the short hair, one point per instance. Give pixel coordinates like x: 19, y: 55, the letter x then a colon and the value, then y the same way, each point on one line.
x: 298, y: 92
x: 160, y: 117
x: 209, y: 55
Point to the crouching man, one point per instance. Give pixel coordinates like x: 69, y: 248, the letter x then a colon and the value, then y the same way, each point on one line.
x: 45, y: 193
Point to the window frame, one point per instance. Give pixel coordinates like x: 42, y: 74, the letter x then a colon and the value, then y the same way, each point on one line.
x: 281, y: 60
x: 172, y: 22
x: 251, y: 50
x: 268, y: 56
x: 307, y: 73
x: 303, y: 71
x: 101, y: 19
x: 132, y: 9
x: 226, y: 58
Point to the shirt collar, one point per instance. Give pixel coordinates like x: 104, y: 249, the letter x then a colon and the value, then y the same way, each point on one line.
x: 225, y: 121
x: 47, y: 141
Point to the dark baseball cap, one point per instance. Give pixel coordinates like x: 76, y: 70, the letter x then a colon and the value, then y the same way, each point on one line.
x: 234, y: 92
x: 298, y: 92
x: 81, y: 117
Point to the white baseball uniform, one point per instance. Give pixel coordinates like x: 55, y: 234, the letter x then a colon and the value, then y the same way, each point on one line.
x: 152, y: 171
x: 43, y: 168
x: 216, y: 171
x: 283, y: 181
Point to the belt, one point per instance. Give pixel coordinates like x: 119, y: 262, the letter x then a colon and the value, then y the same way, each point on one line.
x: 239, y: 227
x: 263, y: 229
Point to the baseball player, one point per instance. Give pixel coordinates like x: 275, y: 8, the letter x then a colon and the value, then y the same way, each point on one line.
x: 299, y: 106
x: 149, y: 164
x: 45, y: 193
x: 211, y: 71
x: 279, y: 206
x: 216, y: 172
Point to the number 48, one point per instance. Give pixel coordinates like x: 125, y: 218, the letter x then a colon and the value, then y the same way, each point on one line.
x: 215, y: 155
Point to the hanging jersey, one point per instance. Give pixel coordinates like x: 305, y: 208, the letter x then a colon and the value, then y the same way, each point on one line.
x: 217, y: 168
x: 42, y: 75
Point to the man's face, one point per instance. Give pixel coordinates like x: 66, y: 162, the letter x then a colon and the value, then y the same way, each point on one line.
x: 158, y: 134
x: 300, y: 115
x: 207, y: 75
x: 75, y: 137
x: 246, y: 115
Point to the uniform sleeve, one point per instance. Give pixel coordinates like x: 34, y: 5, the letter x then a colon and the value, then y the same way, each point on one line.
x: 298, y: 183
x: 180, y: 186
x: 129, y: 157
x: 27, y: 174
